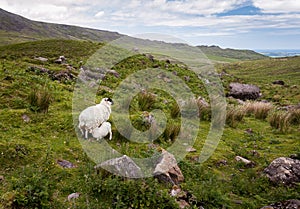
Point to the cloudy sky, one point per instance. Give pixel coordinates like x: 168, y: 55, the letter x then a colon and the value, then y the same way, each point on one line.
x: 248, y: 24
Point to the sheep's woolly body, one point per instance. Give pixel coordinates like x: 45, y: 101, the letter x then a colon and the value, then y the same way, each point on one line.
x: 92, y: 117
x: 102, y: 131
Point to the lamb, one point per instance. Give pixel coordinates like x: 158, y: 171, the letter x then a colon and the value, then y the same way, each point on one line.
x: 92, y: 117
x: 102, y: 131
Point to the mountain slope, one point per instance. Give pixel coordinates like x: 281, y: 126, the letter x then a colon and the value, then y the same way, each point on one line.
x: 15, y: 29
x: 219, y: 54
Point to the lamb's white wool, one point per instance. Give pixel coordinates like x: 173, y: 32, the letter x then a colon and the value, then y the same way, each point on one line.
x: 92, y: 117
x: 102, y: 131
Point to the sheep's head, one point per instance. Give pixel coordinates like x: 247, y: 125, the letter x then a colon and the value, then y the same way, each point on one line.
x: 107, y: 101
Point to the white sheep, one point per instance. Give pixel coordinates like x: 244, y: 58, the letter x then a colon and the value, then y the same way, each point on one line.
x: 102, y: 131
x: 92, y: 117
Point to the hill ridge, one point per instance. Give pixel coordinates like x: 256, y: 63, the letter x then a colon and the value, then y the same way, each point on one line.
x: 21, y: 29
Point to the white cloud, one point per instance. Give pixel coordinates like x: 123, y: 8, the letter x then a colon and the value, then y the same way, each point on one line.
x: 99, y: 14
x: 278, y: 6
x: 174, y: 17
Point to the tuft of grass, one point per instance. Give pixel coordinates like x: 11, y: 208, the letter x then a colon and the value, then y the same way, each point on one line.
x: 171, y: 132
x: 175, y: 111
x: 235, y: 115
x: 204, y: 110
x: 39, y: 100
x: 260, y: 110
x: 279, y: 120
x: 146, y: 100
x: 293, y: 116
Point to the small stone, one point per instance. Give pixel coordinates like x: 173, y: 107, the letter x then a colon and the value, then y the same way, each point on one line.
x: 25, y: 118
x: 245, y: 161
x: 42, y: 59
x: 175, y: 191
x: 73, y: 196
x: 249, y: 131
x: 1, y: 178
x: 278, y: 82
x: 65, y: 164
x: 221, y: 163
x: 191, y: 149
x: 183, y: 204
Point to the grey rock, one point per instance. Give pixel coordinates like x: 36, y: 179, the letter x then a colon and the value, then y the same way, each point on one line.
x: 288, y: 204
x: 247, y: 162
x: 167, y: 170
x: 65, y: 164
x: 25, y: 118
x: 284, y: 170
x: 244, y: 91
x: 73, y: 196
x: 122, y: 166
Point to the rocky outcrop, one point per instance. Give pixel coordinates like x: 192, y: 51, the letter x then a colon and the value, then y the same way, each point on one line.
x: 284, y: 170
x: 288, y: 204
x: 62, y: 76
x: 244, y: 91
x: 122, y: 166
x: 167, y: 169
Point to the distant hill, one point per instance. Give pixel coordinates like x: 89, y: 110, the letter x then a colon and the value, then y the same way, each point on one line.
x: 16, y: 29
x: 229, y: 55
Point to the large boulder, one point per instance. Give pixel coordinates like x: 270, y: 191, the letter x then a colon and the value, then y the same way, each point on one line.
x: 167, y: 169
x: 284, y: 170
x: 122, y: 166
x: 244, y: 91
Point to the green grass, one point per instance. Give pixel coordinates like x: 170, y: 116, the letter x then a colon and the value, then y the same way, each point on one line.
x: 29, y: 150
x: 263, y: 72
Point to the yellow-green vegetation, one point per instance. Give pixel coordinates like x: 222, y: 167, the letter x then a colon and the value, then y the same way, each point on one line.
x: 31, y: 142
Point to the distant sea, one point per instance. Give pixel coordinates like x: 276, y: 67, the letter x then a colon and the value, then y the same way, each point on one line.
x: 279, y: 52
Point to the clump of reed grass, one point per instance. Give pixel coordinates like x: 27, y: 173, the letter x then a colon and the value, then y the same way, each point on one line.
x: 204, y: 109
x: 235, y: 114
x: 260, y: 110
x: 39, y: 100
x: 283, y: 120
x: 146, y: 100
x: 175, y: 111
x: 171, y: 132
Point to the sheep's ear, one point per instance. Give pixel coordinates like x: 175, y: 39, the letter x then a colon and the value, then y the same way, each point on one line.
x: 110, y: 100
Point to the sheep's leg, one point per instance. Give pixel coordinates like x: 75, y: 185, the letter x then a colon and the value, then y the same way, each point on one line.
x: 86, y: 134
x: 110, y: 134
x: 81, y: 130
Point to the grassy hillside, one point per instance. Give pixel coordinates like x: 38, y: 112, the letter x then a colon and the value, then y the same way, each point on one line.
x: 16, y: 29
x: 29, y: 149
x: 229, y: 55
x: 263, y: 73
